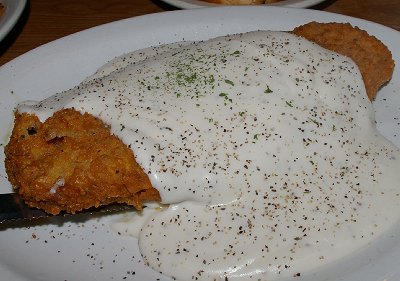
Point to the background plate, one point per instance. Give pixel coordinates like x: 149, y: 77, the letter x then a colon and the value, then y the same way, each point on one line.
x: 13, y: 10
x: 87, y: 248
x: 192, y: 4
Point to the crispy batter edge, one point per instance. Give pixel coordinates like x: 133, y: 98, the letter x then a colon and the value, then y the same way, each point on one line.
x: 372, y: 57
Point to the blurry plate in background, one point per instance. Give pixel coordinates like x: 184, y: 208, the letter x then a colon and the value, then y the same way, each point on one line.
x: 12, y: 11
x: 192, y: 4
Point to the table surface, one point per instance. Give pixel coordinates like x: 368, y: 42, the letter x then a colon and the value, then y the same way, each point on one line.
x: 46, y: 20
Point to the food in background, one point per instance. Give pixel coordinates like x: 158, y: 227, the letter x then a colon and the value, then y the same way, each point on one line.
x: 1, y: 9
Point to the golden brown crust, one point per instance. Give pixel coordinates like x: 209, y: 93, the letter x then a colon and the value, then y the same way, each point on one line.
x: 72, y: 162
x: 372, y: 57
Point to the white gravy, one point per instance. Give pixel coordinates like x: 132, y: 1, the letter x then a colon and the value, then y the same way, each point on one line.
x: 263, y: 143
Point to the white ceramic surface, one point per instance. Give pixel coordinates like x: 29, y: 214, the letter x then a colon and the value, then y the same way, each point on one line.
x: 13, y: 10
x: 86, y: 248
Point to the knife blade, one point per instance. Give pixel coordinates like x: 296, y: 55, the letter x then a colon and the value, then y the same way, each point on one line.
x: 12, y: 208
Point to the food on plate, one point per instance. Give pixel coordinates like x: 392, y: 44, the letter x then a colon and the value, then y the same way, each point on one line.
x: 371, y: 56
x: 71, y: 162
x: 263, y: 144
x: 242, y: 2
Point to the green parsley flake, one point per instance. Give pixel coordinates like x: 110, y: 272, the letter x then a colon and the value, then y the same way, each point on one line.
x: 289, y: 103
x: 226, y: 97
x: 268, y: 90
x: 314, y: 121
x: 229, y: 82
x: 236, y: 53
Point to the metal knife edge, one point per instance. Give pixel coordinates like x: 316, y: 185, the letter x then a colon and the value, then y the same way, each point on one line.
x: 13, y: 208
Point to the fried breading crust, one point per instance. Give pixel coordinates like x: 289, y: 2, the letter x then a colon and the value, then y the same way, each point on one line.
x: 72, y: 162
x: 372, y: 57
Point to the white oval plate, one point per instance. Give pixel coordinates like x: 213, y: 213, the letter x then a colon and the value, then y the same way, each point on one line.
x: 13, y: 10
x: 193, y: 4
x: 86, y: 248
